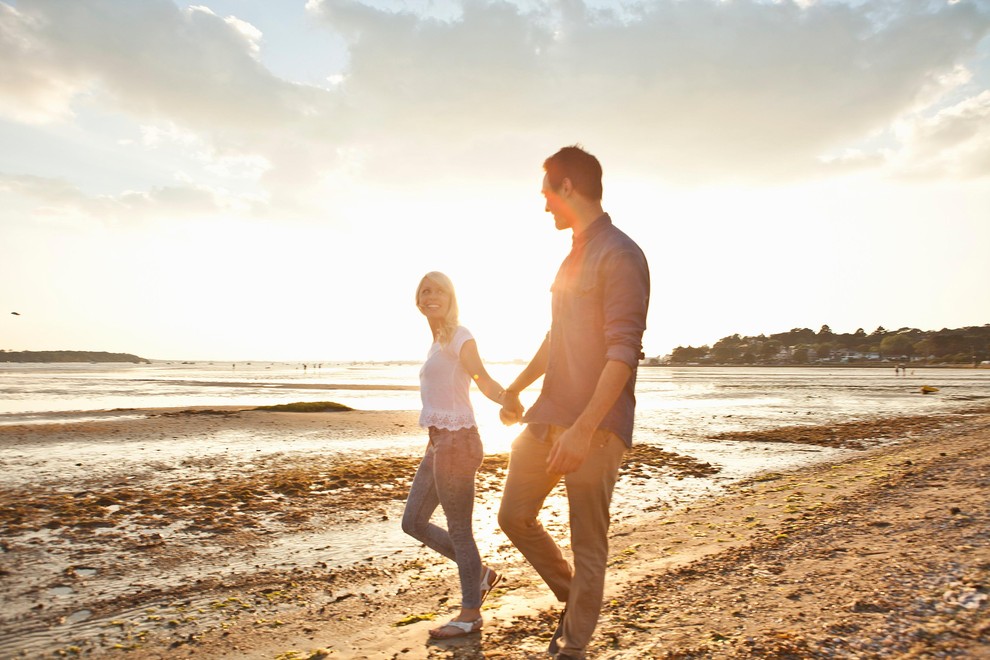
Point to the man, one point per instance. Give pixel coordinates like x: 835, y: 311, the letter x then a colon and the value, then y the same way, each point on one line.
x: 581, y: 424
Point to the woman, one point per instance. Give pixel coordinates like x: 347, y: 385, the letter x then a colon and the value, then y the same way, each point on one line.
x: 454, y: 453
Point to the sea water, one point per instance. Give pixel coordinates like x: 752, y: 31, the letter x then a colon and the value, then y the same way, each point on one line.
x: 681, y: 402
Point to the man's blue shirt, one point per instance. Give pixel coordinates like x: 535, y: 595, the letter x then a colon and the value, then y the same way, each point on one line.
x: 599, y: 302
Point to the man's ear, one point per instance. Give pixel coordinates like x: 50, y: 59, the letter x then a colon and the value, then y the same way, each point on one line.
x: 566, y: 188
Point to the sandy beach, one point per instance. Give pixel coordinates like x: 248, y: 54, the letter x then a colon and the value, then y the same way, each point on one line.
x: 160, y: 533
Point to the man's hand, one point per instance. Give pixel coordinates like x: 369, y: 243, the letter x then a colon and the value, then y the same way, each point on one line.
x: 509, y: 418
x: 569, y: 451
x: 573, y: 445
x: 512, y: 408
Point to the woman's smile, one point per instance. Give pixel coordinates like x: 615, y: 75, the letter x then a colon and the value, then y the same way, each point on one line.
x: 434, y: 301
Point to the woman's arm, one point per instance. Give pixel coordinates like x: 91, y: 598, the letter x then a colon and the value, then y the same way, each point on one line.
x: 471, y: 361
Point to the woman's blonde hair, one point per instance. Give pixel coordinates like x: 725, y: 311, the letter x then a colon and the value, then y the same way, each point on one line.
x: 446, y: 330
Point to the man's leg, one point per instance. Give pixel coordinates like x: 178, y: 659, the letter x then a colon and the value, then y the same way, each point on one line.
x: 589, y: 494
x: 526, y: 487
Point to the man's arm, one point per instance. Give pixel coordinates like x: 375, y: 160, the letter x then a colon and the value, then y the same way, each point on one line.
x: 627, y: 296
x: 572, y: 446
x: 512, y: 408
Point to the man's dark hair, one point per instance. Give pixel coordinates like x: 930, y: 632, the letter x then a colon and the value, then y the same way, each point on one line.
x: 576, y: 164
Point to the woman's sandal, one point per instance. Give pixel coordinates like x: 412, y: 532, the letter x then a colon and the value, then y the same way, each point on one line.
x: 489, y: 580
x: 461, y: 628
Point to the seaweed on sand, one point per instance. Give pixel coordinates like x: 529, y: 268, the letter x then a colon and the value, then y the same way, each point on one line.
x: 306, y: 406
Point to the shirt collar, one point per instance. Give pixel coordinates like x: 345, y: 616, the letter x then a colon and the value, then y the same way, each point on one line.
x: 594, y: 228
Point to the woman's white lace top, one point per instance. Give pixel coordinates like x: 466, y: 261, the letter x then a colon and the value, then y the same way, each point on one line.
x: 444, y: 386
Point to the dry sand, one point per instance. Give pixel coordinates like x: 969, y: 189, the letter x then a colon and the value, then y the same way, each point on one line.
x: 228, y: 554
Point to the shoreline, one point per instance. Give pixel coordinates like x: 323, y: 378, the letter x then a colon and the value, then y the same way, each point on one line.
x: 831, y: 365
x: 225, y: 588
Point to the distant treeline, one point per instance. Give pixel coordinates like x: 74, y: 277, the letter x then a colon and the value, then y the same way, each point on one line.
x: 969, y: 345
x: 67, y: 356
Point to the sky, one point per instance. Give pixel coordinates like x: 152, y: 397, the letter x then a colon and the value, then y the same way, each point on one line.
x: 246, y: 179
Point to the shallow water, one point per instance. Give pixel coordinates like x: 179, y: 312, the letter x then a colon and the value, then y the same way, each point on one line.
x: 680, y: 401
x: 31, y: 390
x: 679, y: 409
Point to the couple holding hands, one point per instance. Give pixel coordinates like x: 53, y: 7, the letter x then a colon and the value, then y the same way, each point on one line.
x: 577, y: 430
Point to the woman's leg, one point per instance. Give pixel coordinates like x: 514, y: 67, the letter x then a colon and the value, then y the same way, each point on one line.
x: 421, y: 504
x: 458, y: 457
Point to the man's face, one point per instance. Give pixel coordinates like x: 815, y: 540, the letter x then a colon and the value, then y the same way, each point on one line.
x: 555, y: 205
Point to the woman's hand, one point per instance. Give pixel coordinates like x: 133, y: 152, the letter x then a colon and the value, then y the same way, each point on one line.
x: 512, y: 408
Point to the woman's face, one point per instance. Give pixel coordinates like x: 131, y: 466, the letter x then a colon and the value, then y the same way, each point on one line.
x: 434, y: 300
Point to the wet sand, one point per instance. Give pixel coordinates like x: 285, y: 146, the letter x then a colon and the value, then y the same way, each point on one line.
x: 134, y: 536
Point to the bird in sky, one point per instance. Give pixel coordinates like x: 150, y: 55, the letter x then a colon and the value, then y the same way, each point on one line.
x: 16, y: 313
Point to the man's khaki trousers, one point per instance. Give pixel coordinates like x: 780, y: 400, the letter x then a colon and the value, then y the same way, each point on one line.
x: 589, y: 493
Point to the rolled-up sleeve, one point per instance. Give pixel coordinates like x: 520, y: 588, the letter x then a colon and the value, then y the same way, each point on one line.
x: 626, y: 302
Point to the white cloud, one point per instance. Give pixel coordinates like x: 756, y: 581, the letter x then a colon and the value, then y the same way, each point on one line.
x: 52, y: 198
x: 955, y: 142
x: 169, y: 133
x: 46, y: 190
x: 251, y: 34
x: 697, y: 91
x: 226, y: 165
x: 158, y: 63
x: 690, y: 90
x: 34, y: 87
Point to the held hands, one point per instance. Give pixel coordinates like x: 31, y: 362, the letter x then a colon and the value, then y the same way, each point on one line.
x: 512, y: 408
x: 509, y: 418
